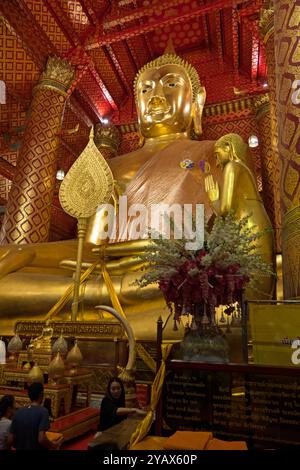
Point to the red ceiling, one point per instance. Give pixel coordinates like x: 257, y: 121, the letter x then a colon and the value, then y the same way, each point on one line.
x: 109, y: 41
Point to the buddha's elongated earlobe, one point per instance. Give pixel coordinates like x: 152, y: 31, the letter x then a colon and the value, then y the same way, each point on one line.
x: 197, y: 110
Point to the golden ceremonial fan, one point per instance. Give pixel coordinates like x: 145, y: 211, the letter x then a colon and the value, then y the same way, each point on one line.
x: 88, y: 183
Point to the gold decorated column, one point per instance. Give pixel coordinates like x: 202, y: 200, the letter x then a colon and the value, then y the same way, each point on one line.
x: 270, y: 178
x: 28, y: 211
x: 287, y: 56
x: 267, y: 119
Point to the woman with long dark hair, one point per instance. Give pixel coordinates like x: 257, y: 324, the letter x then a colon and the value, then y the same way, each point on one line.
x: 113, y: 409
x: 7, y: 408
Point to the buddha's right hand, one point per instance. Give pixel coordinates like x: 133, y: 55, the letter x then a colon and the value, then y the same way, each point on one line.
x: 116, y: 266
x: 13, y: 258
x: 140, y: 412
x: 123, y: 257
x: 212, y: 188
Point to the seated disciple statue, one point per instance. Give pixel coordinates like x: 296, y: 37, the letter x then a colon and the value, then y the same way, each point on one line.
x: 238, y: 192
x: 168, y: 169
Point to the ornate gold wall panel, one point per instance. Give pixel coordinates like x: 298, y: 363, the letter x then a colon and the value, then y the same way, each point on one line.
x: 291, y: 251
x: 287, y: 55
x: 270, y: 177
x: 269, y: 130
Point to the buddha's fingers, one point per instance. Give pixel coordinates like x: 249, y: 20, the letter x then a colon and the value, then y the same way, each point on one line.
x: 15, y: 259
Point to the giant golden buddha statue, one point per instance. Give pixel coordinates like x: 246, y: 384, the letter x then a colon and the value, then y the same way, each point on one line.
x: 170, y: 101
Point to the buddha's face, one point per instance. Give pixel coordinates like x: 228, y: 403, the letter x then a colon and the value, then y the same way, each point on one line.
x: 164, y: 101
x: 222, y: 152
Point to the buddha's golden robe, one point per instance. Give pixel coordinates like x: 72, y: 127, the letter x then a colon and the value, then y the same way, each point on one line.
x: 159, y: 179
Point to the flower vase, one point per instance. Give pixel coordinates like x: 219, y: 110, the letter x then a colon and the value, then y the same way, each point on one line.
x: 204, y: 340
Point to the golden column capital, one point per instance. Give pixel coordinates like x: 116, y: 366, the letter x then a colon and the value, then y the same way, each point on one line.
x: 107, y: 137
x: 261, y: 104
x: 58, y: 75
x: 266, y: 22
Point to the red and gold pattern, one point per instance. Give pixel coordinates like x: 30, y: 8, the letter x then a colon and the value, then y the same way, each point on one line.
x: 27, y: 217
x: 287, y: 49
x: 270, y: 172
x: 33, y: 29
x: 270, y: 135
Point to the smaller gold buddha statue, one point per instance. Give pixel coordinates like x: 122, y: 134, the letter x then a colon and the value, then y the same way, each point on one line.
x: 42, y: 343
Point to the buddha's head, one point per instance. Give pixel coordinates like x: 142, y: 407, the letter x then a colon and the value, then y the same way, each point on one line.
x: 231, y: 147
x: 169, y: 97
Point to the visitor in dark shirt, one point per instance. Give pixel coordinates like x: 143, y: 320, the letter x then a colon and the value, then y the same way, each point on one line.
x: 113, y: 410
x: 7, y: 409
x: 29, y: 425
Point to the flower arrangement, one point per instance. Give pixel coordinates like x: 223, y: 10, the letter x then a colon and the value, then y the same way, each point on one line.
x: 214, y: 275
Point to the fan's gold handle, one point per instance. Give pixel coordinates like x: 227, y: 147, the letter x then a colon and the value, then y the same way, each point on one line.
x: 81, y: 228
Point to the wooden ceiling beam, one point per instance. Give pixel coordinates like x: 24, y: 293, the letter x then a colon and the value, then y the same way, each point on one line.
x: 7, y: 169
x: 88, y: 11
x: 161, y: 21
x: 117, y: 65
x: 140, y: 13
x: 88, y: 7
x: 219, y: 39
x: 63, y: 22
x: 23, y: 24
x: 235, y: 42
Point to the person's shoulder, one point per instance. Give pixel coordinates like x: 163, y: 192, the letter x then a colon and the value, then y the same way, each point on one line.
x: 5, y: 423
x: 234, y: 166
x: 38, y: 410
x: 105, y: 400
x: 20, y: 411
x: 43, y: 410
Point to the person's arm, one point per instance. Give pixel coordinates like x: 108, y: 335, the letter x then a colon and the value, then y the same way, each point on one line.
x: 231, y: 175
x: 10, y: 440
x: 45, y: 442
x: 129, y: 411
x: 44, y: 425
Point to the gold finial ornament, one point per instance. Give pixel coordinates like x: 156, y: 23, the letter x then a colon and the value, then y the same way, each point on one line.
x: 60, y: 345
x: 56, y: 369
x: 15, y: 344
x: 171, y: 59
x: 14, y: 347
x: 36, y: 375
x: 74, y: 358
x: 170, y: 49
